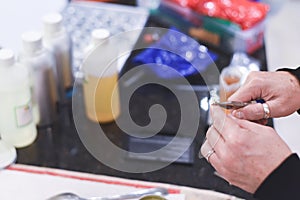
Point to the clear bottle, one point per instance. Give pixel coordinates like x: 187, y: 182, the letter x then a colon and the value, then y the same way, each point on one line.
x: 41, y: 65
x: 100, y: 87
x: 16, y: 119
x: 57, y: 40
x: 234, y: 75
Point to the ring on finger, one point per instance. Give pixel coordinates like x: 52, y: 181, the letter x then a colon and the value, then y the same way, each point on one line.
x: 209, y: 153
x: 266, y: 110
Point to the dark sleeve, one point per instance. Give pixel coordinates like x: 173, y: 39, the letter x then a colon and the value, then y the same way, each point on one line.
x: 283, y: 182
x: 295, y: 72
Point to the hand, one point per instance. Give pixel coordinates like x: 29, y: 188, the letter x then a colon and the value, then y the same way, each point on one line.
x: 280, y: 90
x: 245, y: 153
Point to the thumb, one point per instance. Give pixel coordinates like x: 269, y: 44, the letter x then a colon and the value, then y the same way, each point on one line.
x: 251, y: 112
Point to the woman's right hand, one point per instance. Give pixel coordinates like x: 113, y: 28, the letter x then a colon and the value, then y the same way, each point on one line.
x: 280, y: 90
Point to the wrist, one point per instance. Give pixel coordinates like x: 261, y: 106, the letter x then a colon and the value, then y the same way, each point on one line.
x: 296, y: 76
x: 294, y: 72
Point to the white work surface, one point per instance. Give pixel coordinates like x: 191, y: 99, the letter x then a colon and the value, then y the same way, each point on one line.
x: 283, y: 50
x: 36, y: 183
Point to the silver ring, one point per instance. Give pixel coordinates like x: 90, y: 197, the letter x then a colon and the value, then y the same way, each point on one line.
x: 209, y: 153
x: 266, y: 111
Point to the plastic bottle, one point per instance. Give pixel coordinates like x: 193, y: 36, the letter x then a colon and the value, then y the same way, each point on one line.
x: 56, y: 39
x: 234, y: 75
x: 8, y: 154
x: 151, y: 5
x: 16, y: 119
x: 101, y: 92
x: 41, y: 65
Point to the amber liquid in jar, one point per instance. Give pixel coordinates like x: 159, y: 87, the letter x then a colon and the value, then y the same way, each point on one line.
x: 229, y: 84
x: 101, y: 97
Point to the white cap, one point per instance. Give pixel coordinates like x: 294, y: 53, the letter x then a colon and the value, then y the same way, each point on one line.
x: 52, y: 23
x: 32, y: 42
x: 7, y: 57
x: 99, y: 35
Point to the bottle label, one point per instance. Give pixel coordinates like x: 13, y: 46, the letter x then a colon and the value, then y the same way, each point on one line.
x: 24, y: 114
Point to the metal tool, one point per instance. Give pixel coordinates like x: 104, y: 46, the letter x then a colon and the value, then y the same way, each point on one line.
x: 133, y: 195
x: 236, y: 104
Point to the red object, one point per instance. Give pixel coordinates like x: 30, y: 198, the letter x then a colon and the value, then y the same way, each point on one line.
x: 242, y: 12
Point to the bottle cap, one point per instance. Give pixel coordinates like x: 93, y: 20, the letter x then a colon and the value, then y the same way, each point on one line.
x: 99, y: 35
x: 7, y: 57
x: 52, y: 23
x: 32, y: 42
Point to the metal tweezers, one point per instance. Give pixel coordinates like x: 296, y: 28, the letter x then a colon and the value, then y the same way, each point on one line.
x: 233, y: 104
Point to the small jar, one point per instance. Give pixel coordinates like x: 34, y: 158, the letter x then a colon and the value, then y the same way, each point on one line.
x: 100, y: 85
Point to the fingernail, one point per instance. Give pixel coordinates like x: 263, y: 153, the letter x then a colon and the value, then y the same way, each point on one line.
x: 238, y: 114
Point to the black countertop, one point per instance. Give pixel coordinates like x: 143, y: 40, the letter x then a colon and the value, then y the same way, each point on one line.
x: 61, y: 146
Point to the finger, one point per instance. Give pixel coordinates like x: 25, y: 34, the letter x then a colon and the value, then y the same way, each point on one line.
x: 213, y: 159
x: 248, y: 125
x: 222, y: 123
x: 271, y: 105
x: 205, y: 148
x: 213, y: 137
x: 205, y: 153
x: 251, y: 112
x: 248, y: 91
x: 216, y: 142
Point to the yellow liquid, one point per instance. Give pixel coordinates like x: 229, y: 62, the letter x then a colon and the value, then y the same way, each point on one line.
x: 226, y: 93
x: 101, y: 97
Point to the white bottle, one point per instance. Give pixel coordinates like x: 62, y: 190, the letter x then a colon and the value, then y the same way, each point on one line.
x: 41, y: 65
x: 57, y: 40
x: 101, y: 92
x: 8, y: 154
x: 16, y: 119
